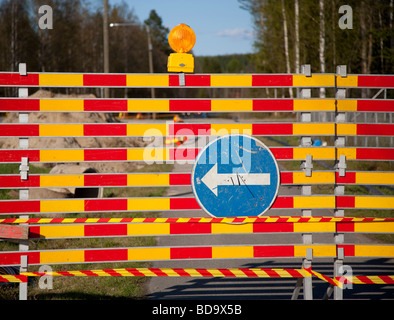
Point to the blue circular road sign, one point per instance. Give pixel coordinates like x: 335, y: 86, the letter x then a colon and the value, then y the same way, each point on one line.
x: 235, y: 175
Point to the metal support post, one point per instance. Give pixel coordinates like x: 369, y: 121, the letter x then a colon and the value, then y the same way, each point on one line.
x: 24, y: 169
x: 306, y: 282
x: 306, y: 141
x: 307, y: 263
x: 339, y: 190
x: 23, y: 285
x: 340, y: 117
x: 338, y: 264
x: 307, y: 165
x: 182, y: 82
x: 23, y: 193
x: 306, y: 190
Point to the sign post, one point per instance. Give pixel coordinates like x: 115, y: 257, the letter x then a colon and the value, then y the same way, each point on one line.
x: 235, y: 175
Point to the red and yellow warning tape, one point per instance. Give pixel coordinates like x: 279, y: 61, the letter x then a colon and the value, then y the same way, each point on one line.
x: 268, y: 219
x: 195, y: 272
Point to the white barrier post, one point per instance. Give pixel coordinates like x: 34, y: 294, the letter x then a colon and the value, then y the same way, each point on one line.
x: 306, y: 190
x: 23, y: 193
x: 339, y: 190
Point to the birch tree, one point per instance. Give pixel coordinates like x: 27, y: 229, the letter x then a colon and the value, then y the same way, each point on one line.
x: 297, y: 37
x: 286, y: 43
x: 322, y: 45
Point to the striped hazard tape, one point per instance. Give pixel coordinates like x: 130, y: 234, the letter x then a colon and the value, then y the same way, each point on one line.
x: 191, y: 272
x: 180, y: 272
x: 334, y: 282
x: 382, y: 279
x: 268, y: 219
x: 13, y: 278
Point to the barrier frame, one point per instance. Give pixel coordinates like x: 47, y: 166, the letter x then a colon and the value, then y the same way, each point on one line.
x: 305, y: 82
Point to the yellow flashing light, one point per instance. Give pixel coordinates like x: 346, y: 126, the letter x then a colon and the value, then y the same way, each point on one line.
x: 181, y: 39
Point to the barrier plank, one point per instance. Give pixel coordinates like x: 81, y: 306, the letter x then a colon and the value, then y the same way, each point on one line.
x: 90, y: 255
x: 165, y: 204
x: 365, y: 81
x: 159, y: 155
x: 176, y: 129
x: 10, y: 79
x: 192, y: 105
x: 164, y: 105
x: 53, y: 231
x: 163, y: 80
x: 194, y: 129
x: 182, y: 179
x: 371, y: 105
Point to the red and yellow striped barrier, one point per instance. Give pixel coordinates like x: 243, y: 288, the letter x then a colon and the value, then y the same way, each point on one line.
x: 62, y: 256
x: 52, y: 231
x: 184, y: 129
x: 182, y: 179
x: 165, y: 204
x: 9, y: 79
x: 365, y: 81
x: 371, y: 105
x: 185, y: 154
x: 163, y: 80
x: 192, y: 105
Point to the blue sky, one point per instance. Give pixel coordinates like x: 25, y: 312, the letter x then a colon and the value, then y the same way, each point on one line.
x: 221, y: 26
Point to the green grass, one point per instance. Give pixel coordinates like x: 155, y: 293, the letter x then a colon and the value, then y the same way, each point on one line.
x: 85, y: 288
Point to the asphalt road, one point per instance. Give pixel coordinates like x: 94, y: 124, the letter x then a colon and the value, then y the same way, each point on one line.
x: 257, y: 288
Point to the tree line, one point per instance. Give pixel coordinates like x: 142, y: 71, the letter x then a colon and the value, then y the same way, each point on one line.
x: 290, y: 33
x: 75, y: 44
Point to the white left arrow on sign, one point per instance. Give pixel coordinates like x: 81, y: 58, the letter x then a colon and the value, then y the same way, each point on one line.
x: 213, y: 179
